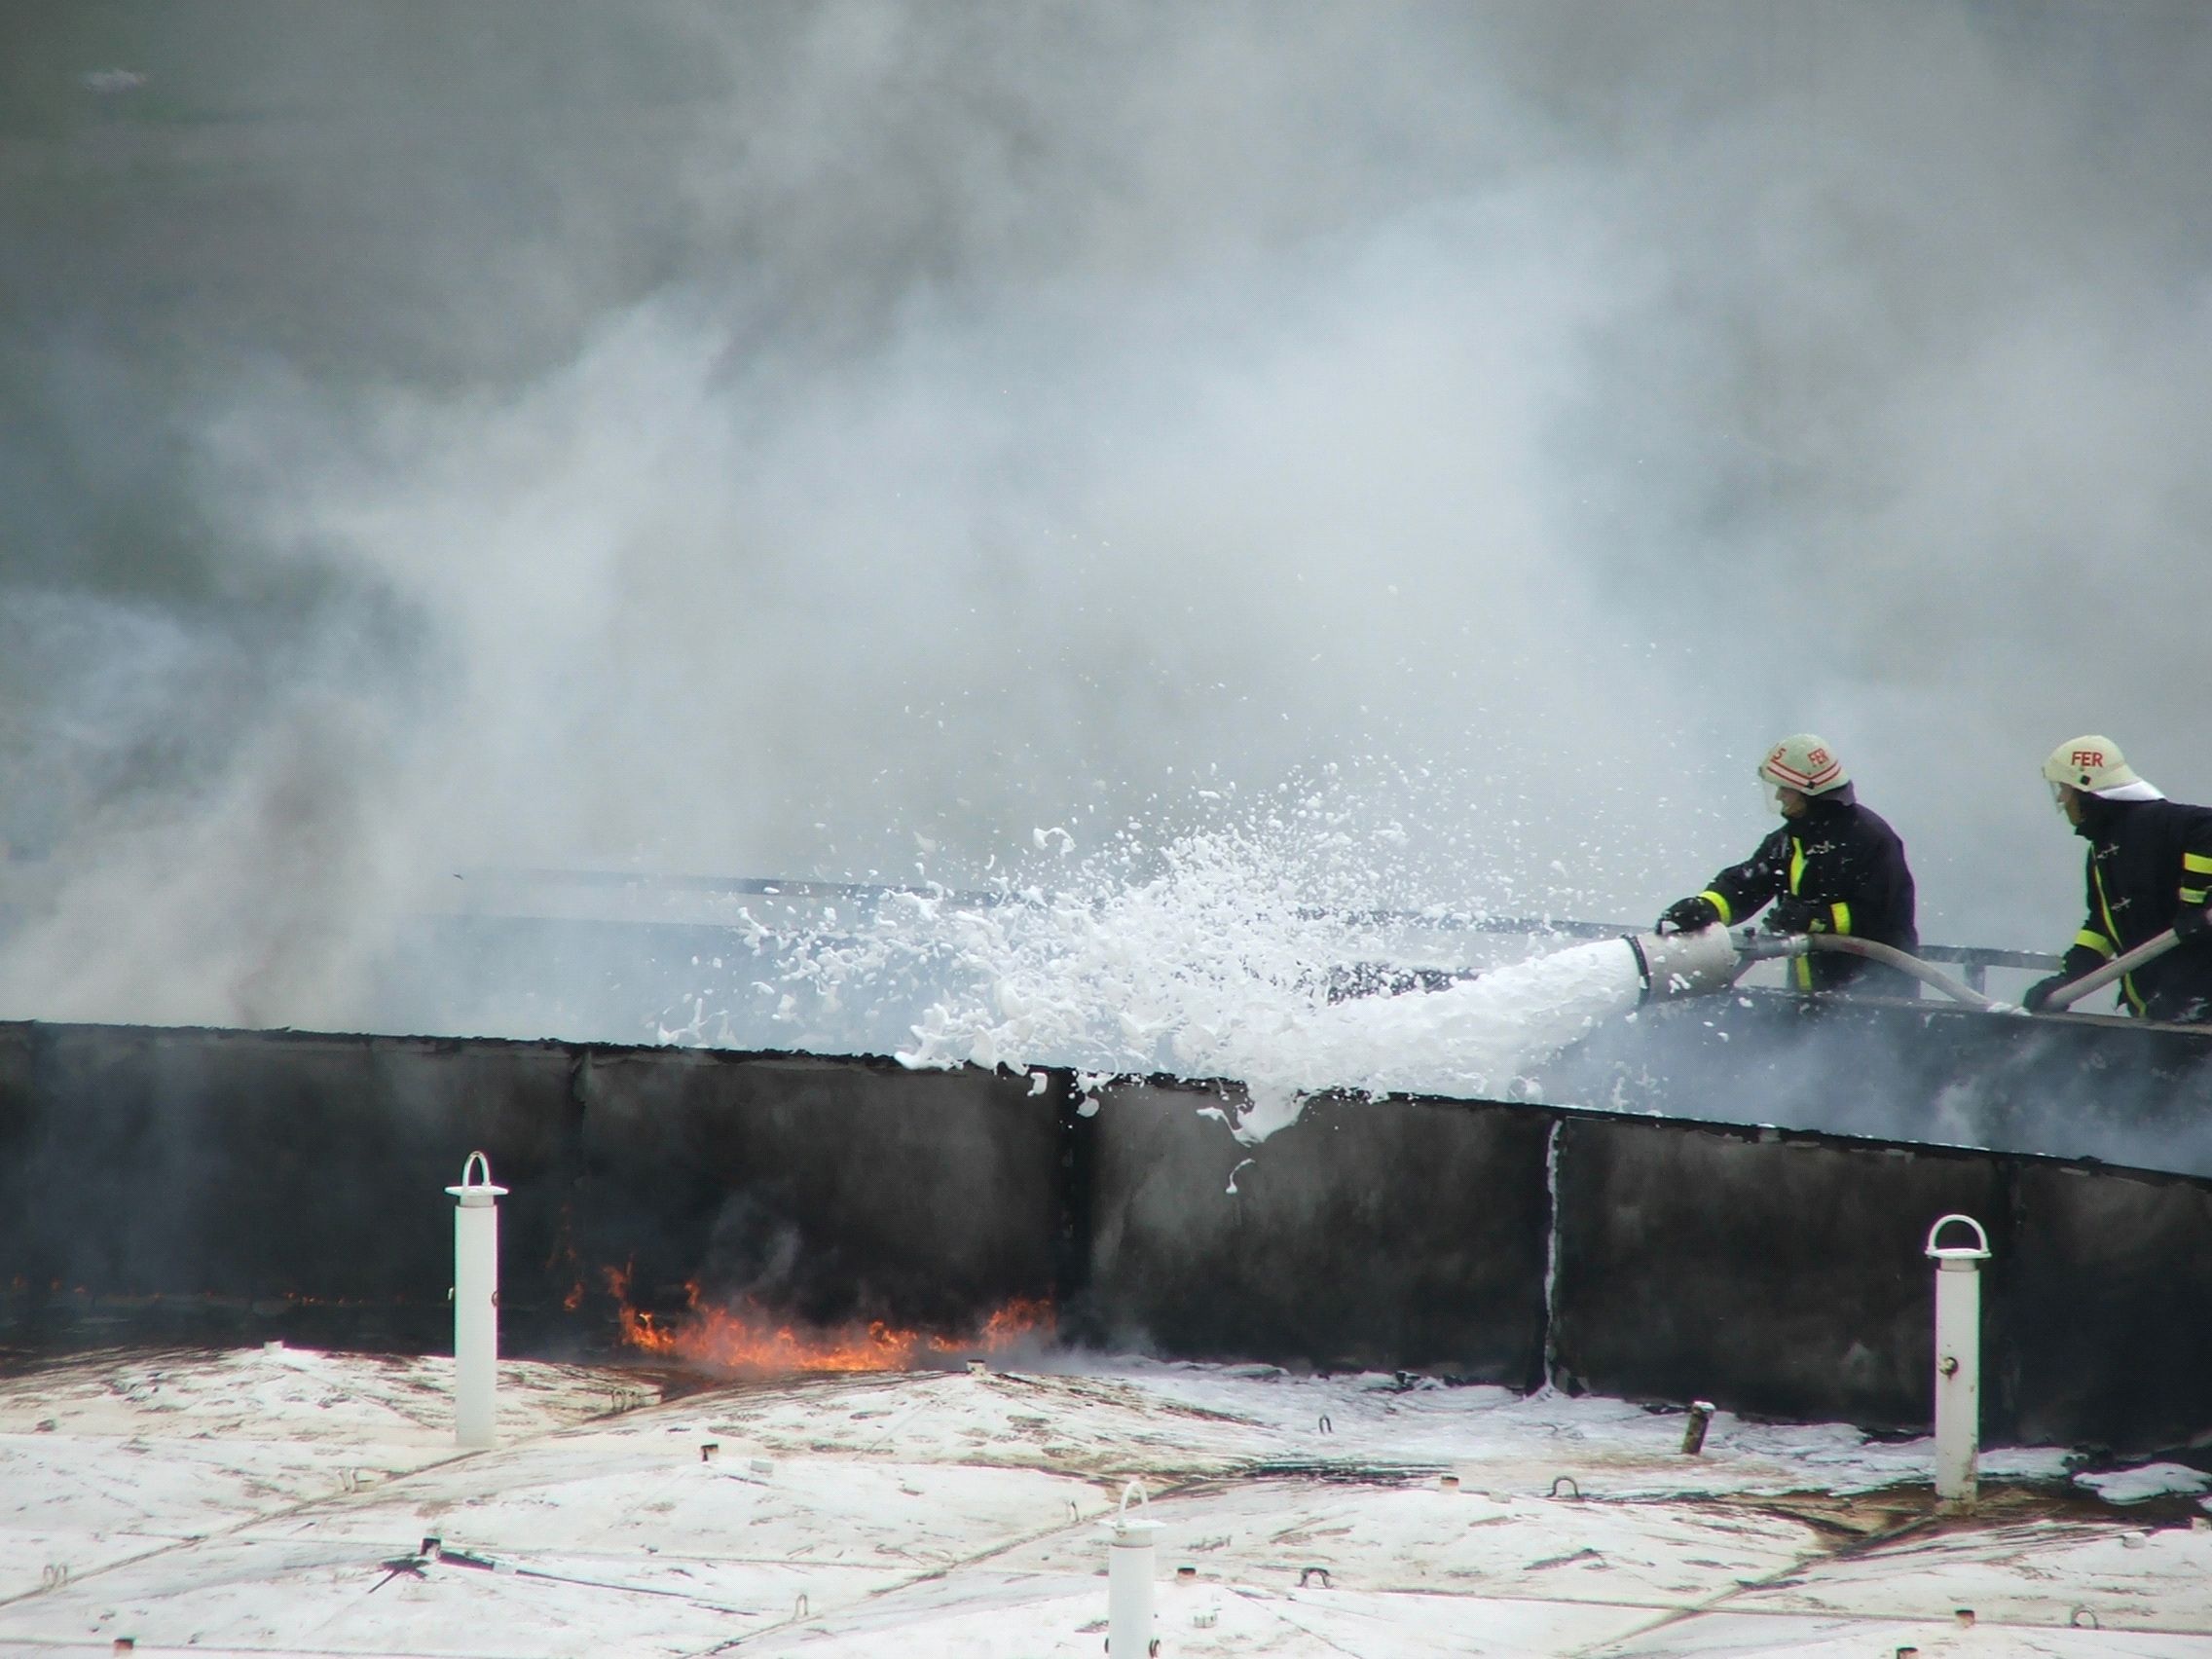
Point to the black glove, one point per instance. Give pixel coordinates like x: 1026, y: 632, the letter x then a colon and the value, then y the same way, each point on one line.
x: 2035, y: 995
x: 2190, y: 921
x: 1687, y: 915
x: 1792, y: 916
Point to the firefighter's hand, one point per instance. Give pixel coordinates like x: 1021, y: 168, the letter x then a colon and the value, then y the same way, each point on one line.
x: 2192, y: 921
x: 1791, y: 915
x: 1687, y: 915
x: 2035, y: 995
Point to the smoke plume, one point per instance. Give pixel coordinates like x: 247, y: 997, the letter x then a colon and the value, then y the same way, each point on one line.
x: 847, y: 440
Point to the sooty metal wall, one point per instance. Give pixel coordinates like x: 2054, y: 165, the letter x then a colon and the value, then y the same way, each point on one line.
x: 830, y: 1191
x: 242, y: 1184
x: 1380, y: 1234
x: 1788, y: 1267
x: 280, y: 1184
x: 177, y: 1178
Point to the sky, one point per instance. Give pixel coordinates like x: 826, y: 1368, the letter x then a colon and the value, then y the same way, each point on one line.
x: 849, y: 440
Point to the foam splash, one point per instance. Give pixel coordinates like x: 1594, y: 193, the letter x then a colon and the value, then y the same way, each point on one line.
x: 1217, y: 964
x: 1158, y: 981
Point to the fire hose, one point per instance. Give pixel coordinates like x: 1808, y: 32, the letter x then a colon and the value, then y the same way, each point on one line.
x: 1680, y: 964
x: 2126, y: 962
x: 1684, y: 964
x: 1711, y: 959
x: 1769, y: 947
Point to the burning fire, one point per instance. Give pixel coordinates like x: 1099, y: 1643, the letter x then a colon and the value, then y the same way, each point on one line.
x: 749, y: 1343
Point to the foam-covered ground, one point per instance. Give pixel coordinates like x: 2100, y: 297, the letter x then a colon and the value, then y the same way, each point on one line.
x: 278, y: 1502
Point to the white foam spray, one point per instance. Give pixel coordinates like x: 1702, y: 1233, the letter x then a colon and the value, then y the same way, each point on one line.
x: 1218, y: 963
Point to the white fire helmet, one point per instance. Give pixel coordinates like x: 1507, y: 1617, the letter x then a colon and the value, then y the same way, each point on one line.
x: 1805, y: 763
x: 2095, y: 767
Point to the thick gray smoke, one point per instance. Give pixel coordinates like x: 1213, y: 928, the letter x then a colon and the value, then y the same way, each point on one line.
x: 847, y: 439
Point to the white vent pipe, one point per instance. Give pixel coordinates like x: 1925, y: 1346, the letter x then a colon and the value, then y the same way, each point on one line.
x: 475, y: 1303
x: 1958, y: 1359
x: 1130, y: 1567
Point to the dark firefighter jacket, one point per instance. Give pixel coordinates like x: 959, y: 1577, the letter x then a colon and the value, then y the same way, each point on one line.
x: 1841, y: 858
x: 2147, y: 859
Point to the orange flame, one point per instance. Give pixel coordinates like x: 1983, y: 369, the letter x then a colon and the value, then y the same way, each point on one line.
x: 747, y: 1341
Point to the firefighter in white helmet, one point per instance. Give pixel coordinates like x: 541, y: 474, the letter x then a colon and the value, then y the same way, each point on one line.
x: 2149, y: 868
x: 1832, y: 866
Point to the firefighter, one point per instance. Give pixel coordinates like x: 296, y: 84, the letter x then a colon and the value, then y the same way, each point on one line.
x: 1832, y: 866
x: 2149, y: 868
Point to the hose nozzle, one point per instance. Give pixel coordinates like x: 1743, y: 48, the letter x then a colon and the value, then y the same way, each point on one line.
x: 1685, y: 964
x: 1754, y: 945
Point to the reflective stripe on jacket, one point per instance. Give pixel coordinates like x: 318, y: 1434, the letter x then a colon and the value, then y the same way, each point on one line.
x: 2147, y: 859
x: 1846, y: 862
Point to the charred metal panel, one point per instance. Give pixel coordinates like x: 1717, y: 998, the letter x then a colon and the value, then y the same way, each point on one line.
x: 2106, y: 1288
x: 220, y: 1184
x: 1774, y: 1273
x: 1382, y: 1234
x: 266, y: 1172
x: 1076, y: 1173
x: 240, y: 1185
x: 827, y: 1190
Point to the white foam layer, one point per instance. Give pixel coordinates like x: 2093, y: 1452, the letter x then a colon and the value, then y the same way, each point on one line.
x: 279, y: 1503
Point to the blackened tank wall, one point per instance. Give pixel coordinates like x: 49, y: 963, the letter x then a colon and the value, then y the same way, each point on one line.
x: 245, y: 1169
x: 2102, y: 1300
x: 283, y: 1184
x: 222, y: 1184
x: 1774, y: 1273
x: 828, y: 1189
x: 1380, y: 1234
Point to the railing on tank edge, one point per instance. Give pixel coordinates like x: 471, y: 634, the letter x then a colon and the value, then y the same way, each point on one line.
x: 1975, y: 960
